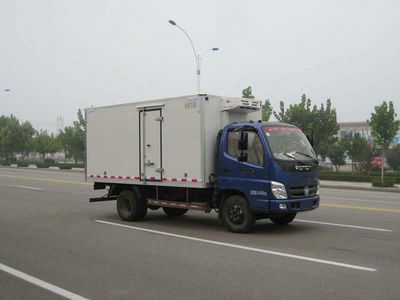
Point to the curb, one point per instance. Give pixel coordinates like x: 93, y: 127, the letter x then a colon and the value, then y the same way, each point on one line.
x: 361, y: 188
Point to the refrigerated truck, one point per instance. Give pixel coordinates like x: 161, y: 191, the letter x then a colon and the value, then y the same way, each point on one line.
x: 200, y: 152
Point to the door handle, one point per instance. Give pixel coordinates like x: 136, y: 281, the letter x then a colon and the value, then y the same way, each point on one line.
x: 149, y: 163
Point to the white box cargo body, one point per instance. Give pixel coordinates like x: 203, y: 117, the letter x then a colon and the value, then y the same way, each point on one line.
x: 167, y: 142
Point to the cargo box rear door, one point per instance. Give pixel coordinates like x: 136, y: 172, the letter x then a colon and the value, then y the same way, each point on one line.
x: 150, y: 144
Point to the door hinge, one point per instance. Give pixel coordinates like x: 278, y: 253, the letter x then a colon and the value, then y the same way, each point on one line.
x: 159, y: 119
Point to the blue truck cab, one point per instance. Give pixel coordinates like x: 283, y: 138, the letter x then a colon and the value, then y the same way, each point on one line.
x: 264, y: 170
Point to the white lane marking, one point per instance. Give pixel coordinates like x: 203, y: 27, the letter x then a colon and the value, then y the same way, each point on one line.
x: 43, y: 284
x: 344, y: 225
x: 23, y: 187
x: 306, y: 258
x: 361, y: 200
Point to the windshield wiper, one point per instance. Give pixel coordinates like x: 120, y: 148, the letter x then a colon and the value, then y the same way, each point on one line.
x: 307, y: 155
x: 294, y: 158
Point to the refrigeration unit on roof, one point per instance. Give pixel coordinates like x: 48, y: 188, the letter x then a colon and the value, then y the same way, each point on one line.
x: 240, y: 105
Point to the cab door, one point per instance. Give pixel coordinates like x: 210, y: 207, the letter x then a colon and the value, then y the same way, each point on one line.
x: 248, y: 176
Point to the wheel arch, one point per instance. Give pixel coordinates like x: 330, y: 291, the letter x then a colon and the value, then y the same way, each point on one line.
x: 225, y: 194
x: 116, y: 189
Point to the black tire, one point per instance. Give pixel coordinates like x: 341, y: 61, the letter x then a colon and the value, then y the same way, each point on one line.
x: 130, y: 207
x: 236, y: 214
x: 283, y: 219
x: 174, y: 212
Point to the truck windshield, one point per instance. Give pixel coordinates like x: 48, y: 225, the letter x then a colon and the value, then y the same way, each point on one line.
x: 289, y: 143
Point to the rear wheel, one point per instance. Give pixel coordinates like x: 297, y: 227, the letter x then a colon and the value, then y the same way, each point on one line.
x: 236, y: 214
x: 130, y: 207
x: 174, y: 212
x: 283, y: 219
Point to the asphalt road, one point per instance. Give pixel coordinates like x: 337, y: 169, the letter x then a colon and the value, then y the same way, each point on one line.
x: 54, y: 242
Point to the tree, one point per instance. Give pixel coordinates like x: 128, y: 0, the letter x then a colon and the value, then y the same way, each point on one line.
x: 393, y: 157
x: 384, y: 127
x: 45, y: 143
x: 15, y: 137
x: 297, y: 114
x: 72, y: 138
x: 359, y: 150
x: 337, y: 155
x: 322, y: 121
x: 248, y: 93
x: 266, y: 110
x: 28, y: 133
x: 325, y: 127
x: 11, y: 136
x: 65, y: 139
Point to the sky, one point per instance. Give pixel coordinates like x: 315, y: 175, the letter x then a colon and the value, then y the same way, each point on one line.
x: 59, y: 56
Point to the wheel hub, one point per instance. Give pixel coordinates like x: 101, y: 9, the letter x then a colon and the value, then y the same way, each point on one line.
x: 235, y: 214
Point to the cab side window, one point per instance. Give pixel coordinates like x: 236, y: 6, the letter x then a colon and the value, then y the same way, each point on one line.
x: 255, y: 150
x: 233, y: 142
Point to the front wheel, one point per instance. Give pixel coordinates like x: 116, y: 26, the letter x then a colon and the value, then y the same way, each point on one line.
x: 236, y: 214
x: 283, y: 219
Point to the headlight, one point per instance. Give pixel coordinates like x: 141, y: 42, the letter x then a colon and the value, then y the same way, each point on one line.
x: 278, y: 190
x: 317, y: 188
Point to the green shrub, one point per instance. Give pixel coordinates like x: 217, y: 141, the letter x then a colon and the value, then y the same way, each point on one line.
x: 22, y: 165
x: 5, y: 164
x: 339, y: 177
x: 42, y: 165
x: 357, y: 176
x: 73, y: 165
x: 372, y: 173
x: 387, y: 182
x: 78, y: 165
x: 49, y: 161
x: 65, y: 167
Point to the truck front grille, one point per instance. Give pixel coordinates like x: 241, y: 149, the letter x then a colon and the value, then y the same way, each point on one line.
x: 300, y: 191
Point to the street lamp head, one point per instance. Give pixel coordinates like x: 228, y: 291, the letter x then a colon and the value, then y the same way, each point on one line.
x: 215, y: 49
x: 172, y: 22
x: 7, y: 90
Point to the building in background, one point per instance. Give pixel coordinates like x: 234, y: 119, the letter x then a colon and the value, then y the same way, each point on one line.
x: 363, y: 129
x: 350, y: 128
x: 396, y: 139
x: 355, y: 127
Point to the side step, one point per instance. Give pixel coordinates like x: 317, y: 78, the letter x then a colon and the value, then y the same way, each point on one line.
x: 184, y: 205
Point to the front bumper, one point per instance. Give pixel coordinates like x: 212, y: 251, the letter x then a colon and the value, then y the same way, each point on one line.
x: 292, y: 205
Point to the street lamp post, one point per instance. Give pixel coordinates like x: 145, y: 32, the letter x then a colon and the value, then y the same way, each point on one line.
x: 197, y: 57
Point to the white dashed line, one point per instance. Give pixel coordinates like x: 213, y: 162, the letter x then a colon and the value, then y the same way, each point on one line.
x: 344, y: 225
x: 362, y: 200
x: 23, y: 187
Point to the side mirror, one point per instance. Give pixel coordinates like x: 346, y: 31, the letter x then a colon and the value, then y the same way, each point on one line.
x: 243, y: 142
x: 242, y: 157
